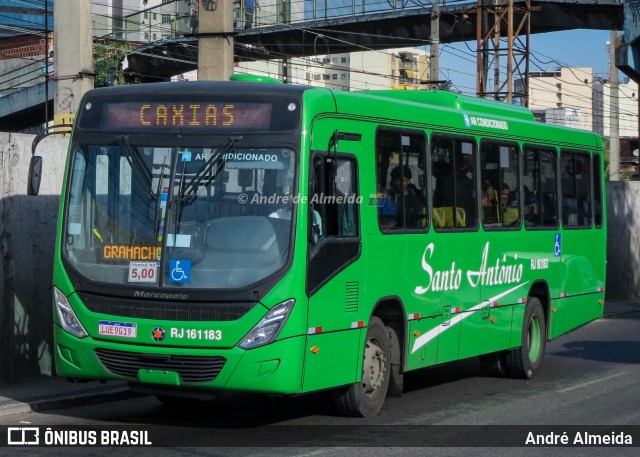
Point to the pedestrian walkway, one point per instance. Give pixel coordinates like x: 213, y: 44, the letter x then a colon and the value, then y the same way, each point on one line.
x: 49, y: 393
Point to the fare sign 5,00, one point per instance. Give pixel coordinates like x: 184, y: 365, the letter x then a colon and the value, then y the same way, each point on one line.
x: 143, y: 271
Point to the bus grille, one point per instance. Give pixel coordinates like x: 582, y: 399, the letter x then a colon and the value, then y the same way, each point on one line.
x: 189, y: 368
x: 167, y: 311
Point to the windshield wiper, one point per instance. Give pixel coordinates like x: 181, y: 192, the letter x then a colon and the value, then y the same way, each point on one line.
x: 213, y: 165
x: 156, y: 197
x: 180, y: 200
x: 135, y: 162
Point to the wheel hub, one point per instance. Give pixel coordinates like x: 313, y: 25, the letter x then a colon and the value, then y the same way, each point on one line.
x: 373, y: 369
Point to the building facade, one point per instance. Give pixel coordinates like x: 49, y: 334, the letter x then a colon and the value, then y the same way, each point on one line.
x: 24, y: 18
x: 566, y: 92
x: 396, y: 69
x: 627, y: 115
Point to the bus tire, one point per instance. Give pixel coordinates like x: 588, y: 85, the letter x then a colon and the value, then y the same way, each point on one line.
x: 396, y: 377
x: 524, y: 361
x: 365, y: 398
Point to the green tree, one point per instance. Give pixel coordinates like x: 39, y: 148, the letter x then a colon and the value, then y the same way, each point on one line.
x: 445, y: 85
x: 107, y: 63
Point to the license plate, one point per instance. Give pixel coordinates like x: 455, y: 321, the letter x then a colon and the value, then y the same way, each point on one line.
x: 121, y: 329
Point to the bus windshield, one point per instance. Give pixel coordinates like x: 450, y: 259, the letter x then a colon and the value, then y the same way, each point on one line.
x: 146, y: 214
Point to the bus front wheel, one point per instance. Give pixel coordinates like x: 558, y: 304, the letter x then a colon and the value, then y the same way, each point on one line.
x: 365, y: 398
x: 524, y: 361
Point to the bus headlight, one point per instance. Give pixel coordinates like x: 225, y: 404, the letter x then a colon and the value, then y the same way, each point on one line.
x: 269, y: 326
x: 68, y: 318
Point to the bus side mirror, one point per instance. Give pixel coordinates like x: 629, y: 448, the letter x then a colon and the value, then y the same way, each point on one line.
x: 35, y: 172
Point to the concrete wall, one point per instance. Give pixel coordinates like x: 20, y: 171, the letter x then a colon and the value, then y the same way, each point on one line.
x: 27, y: 234
x: 18, y: 74
x: 623, y: 244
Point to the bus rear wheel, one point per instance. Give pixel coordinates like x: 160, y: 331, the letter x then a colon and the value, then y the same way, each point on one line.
x: 525, y: 361
x: 365, y: 398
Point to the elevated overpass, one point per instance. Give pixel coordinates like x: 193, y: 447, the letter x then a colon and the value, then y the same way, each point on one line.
x: 399, y: 24
x: 25, y: 108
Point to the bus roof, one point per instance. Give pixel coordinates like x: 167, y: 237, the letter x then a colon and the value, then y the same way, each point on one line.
x: 440, y: 99
x: 466, y: 114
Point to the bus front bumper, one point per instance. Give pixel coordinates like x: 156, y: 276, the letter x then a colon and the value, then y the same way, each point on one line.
x: 275, y: 368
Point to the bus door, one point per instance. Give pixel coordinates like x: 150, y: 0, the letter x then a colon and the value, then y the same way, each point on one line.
x: 334, y: 274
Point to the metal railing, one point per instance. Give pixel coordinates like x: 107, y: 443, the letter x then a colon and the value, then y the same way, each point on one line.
x: 179, y: 17
x: 16, y: 78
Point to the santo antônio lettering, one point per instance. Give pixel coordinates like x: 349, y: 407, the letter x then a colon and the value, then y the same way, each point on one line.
x: 503, y: 271
x: 187, y: 115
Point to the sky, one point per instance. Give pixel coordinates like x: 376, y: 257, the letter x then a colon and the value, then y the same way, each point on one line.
x: 574, y: 48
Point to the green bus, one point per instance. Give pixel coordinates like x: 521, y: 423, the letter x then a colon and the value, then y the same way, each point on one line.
x: 218, y: 237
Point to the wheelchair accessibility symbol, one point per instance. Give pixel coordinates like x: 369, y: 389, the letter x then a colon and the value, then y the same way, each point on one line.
x: 557, y: 246
x: 180, y: 271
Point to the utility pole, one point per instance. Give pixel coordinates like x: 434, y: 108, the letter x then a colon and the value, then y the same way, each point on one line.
x: 284, y: 17
x: 504, y: 29
x: 637, y: 157
x: 614, y: 134
x: 434, y: 52
x: 73, y: 57
x: 215, y: 40
x: 46, y: 63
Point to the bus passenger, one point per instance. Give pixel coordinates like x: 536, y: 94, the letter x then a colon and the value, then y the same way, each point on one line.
x: 488, y: 195
x: 508, y: 198
x: 465, y: 187
x: 532, y: 207
x: 285, y: 213
x: 406, y: 199
x: 489, y: 203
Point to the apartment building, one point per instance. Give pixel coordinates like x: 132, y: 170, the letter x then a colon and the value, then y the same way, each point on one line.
x: 19, y: 17
x: 396, y: 69
x: 627, y: 115
x: 563, y: 94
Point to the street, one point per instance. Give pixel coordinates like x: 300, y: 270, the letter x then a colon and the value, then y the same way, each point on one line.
x: 590, y: 378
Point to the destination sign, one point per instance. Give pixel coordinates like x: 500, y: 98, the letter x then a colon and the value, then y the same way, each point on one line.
x: 143, y: 115
x: 122, y: 252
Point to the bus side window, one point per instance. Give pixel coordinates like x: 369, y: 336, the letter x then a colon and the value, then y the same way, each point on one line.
x: 540, y: 187
x: 500, y: 178
x: 333, y: 202
x: 597, y: 190
x: 576, y: 189
x: 400, y: 180
x: 454, y: 170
